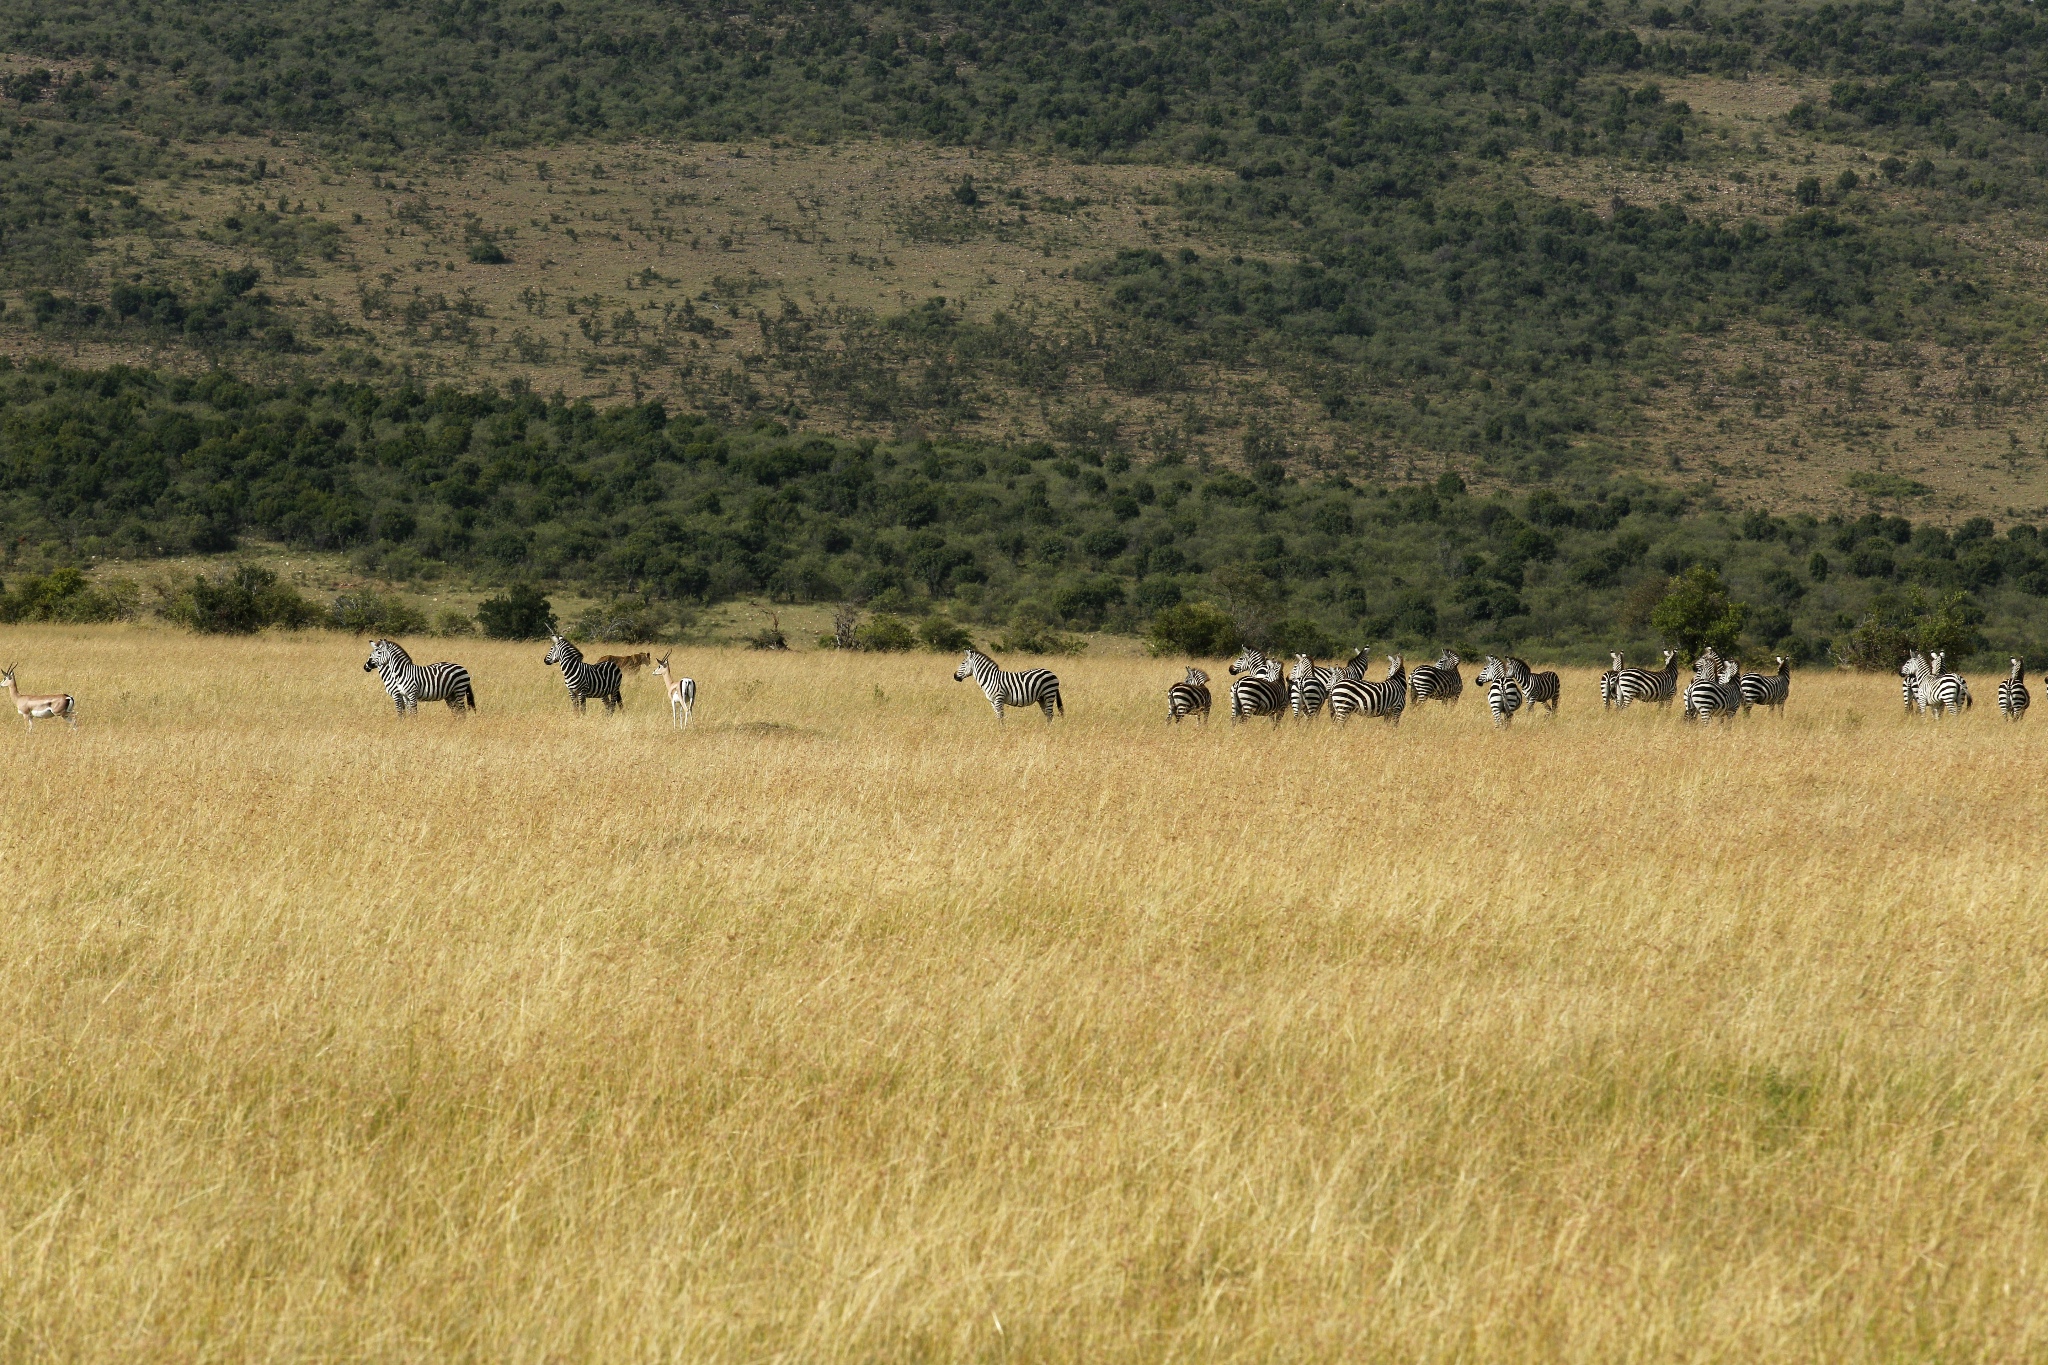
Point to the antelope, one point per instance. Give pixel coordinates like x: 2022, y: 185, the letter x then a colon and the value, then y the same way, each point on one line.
x: 682, y: 692
x: 628, y: 663
x: 33, y: 709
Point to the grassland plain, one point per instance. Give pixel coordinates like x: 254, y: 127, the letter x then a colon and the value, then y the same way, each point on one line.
x: 850, y: 1026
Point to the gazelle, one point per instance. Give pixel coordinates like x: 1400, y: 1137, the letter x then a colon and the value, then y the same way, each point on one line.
x: 682, y: 692
x: 32, y: 709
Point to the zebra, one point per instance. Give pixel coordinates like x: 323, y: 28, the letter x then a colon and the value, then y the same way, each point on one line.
x: 1607, y: 680
x: 1540, y: 688
x: 408, y: 684
x: 1309, y: 686
x: 1504, y: 695
x: 1911, y: 674
x: 2012, y: 693
x: 1028, y: 687
x: 1259, y: 690
x: 1189, y: 697
x: 584, y: 681
x: 1357, y: 695
x: 1641, y: 684
x: 1439, y: 681
x: 1767, y: 689
x: 1715, y: 692
x: 1951, y: 692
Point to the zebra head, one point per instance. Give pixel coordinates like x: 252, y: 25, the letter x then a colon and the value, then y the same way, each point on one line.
x: 1493, y: 671
x: 966, y: 669
x: 1616, y: 656
x: 562, y: 652
x: 1247, y: 662
x: 1785, y: 665
x: 1303, y: 666
x: 1729, y: 671
x: 1939, y: 662
x: 1198, y: 678
x: 386, y: 654
x: 2018, y: 669
x: 1447, y: 659
x: 1706, y: 668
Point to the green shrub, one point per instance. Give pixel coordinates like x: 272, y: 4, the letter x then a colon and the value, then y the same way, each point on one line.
x: 624, y: 623
x: 364, y: 612
x: 66, y: 595
x: 943, y: 636
x: 1199, y: 630
x: 1300, y: 636
x: 521, y: 614
x: 452, y: 622
x: 1032, y: 632
x: 883, y: 632
x: 241, y: 601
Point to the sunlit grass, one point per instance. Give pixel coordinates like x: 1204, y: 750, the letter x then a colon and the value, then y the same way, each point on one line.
x: 851, y: 1026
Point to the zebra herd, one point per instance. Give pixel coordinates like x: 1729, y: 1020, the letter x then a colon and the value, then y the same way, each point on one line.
x: 1719, y: 688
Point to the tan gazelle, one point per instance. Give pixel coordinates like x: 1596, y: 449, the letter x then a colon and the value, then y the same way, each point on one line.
x: 682, y: 693
x: 61, y: 705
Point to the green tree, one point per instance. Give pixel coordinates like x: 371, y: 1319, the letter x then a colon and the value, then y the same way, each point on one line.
x: 1696, y: 614
x: 521, y: 614
x: 1199, y: 630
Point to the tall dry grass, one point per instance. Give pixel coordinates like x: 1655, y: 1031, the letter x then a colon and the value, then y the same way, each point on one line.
x: 851, y: 1027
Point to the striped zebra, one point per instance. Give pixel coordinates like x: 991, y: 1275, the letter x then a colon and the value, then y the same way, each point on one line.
x: 1767, y: 689
x: 1911, y: 674
x: 1540, y: 688
x: 2012, y: 693
x: 1951, y: 692
x: 1504, y: 694
x: 1189, y: 697
x: 1642, y: 684
x: 1358, y: 696
x: 1608, y: 678
x: 1439, y: 681
x: 408, y: 684
x: 1259, y: 689
x: 1027, y: 687
x: 1308, y: 687
x: 584, y: 681
x: 1714, y: 692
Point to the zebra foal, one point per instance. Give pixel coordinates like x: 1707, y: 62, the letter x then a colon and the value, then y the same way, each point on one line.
x: 1029, y: 687
x: 1189, y: 697
x: 2012, y: 693
x: 1439, y: 681
x: 408, y: 684
x: 584, y: 681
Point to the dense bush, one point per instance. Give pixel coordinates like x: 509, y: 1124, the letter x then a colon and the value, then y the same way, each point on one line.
x: 66, y: 595
x: 1198, y: 629
x: 241, y: 601
x: 521, y: 613
x: 883, y: 633
x: 364, y: 612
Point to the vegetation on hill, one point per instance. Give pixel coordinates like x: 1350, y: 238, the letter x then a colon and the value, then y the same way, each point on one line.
x: 671, y: 511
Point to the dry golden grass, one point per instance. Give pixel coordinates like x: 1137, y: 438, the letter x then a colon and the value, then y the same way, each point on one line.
x: 849, y: 1026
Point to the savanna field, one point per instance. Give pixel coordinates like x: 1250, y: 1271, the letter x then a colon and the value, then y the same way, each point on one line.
x: 850, y: 1026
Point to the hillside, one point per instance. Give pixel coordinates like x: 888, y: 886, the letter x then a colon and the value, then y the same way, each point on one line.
x: 1771, y: 260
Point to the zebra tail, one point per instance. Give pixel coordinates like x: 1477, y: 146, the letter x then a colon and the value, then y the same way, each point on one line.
x: 469, y: 695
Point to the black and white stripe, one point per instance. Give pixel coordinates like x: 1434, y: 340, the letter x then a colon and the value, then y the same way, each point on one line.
x: 1642, y: 684
x: 1911, y: 674
x: 1189, y: 697
x: 584, y: 681
x: 1259, y: 689
x: 1767, y: 689
x: 1540, y: 688
x: 1607, y: 680
x: 1951, y: 693
x: 2012, y: 693
x: 1439, y: 681
x: 1358, y: 696
x: 1504, y: 694
x: 1714, y: 692
x: 409, y: 684
x: 1026, y: 687
x: 1308, y: 687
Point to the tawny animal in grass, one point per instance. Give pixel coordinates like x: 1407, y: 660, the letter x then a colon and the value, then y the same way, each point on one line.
x: 682, y: 693
x: 628, y: 663
x: 32, y: 708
